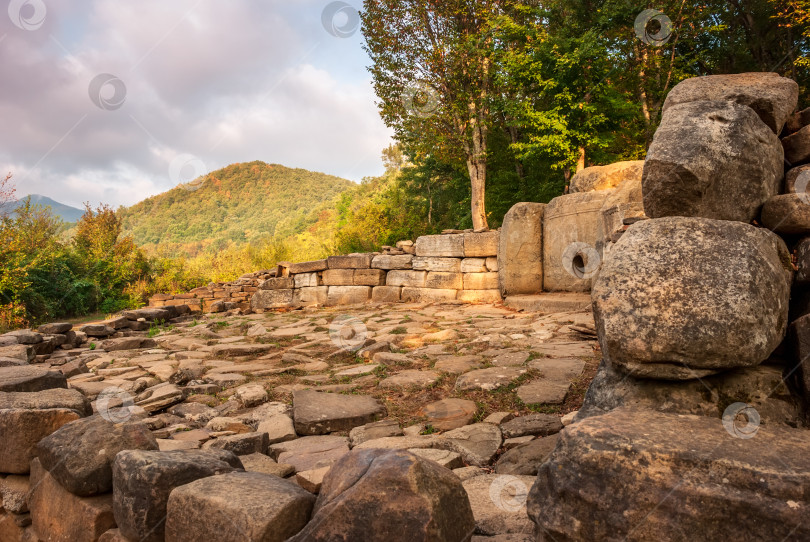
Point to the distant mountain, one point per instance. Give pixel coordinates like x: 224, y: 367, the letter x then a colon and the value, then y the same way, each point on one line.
x: 239, y: 203
x: 65, y: 212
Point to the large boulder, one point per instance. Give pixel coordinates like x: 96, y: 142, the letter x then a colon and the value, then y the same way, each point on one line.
x: 79, y: 454
x: 572, y: 245
x: 520, y: 252
x: 770, y: 95
x: 29, y: 378
x: 681, y: 298
x: 237, y: 506
x: 712, y: 159
x: 605, y: 177
x: 143, y: 480
x: 376, y: 495
x: 643, y: 475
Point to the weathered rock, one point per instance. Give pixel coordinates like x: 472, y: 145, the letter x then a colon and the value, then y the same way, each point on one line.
x: 237, y: 506
x: 446, y: 458
x: 384, y: 261
x: 443, y: 246
x: 480, y: 281
x: 477, y: 245
x: 79, y: 454
x: 664, y: 486
x: 499, y: 503
x: 386, y: 294
x: 771, y: 96
x: 279, y: 428
x: 800, y: 351
x: 60, y: 516
x: 449, y: 414
x: 14, y: 493
x: 307, y: 280
x: 242, y: 444
x: 352, y: 261
x: 787, y: 214
x: 309, y: 453
x: 370, y: 494
x: 605, y: 177
x: 127, y: 343
x: 368, y: 277
x: 489, y: 379
x: 348, y: 295
x: 25, y: 336
x: 427, y: 295
x: 50, y: 329
x: 309, y: 267
x: 312, y: 480
x: 318, y: 413
x: 143, y: 480
x: 22, y: 352
x: 97, y: 330
x: 22, y: 428
x: 311, y: 296
x: 525, y: 460
x: 439, y: 279
x: 477, y: 443
x: 406, y: 278
x: 271, y: 299
x: 532, y: 424
x: 680, y: 298
x: 542, y: 391
x: 374, y: 430
x: 264, y: 464
x: 251, y: 395
x: 797, y: 147
x: 711, y: 159
x: 762, y: 387
x: 571, y: 249
x: 28, y: 379
x: 278, y: 283
x: 52, y: 398
x: 159, y: 397
x: 428, y: 263
x: 338, y: 277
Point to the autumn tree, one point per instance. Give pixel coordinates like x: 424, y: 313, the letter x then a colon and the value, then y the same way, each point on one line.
x: 432, y: 71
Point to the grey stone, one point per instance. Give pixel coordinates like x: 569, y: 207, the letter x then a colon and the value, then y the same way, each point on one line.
x: 143, y: 480
x: 711, y: 159
x: 787, y: 214
x: 241, y: 444
x: 29, y: 379
x: 237, y: 506
x: 525, y: 460
x: 489, y: 379
x: 498, y: 503
x: 374, y: 430
x: 318, y: 413
x: 680, y: 298
x: 532, y: 424
x: 370, y: 494
x: 308, y: 453
x: 477, y: 443
x: 79, y: 454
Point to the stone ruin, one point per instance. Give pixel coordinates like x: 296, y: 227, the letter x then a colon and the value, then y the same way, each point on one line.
x: 696, y: 263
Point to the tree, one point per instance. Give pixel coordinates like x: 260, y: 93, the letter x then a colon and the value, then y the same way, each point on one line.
x: 432, y: 71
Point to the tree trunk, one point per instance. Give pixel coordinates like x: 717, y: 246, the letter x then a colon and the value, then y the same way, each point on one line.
x: 581, y: 159
x: 478, y: 181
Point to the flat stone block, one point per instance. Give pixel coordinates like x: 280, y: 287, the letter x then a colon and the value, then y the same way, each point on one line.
x: 406, y: 278
x: 271, y: 299
x: 308, y: 267
x: 483, y: 244
x: 351, y: 261
x: 479, y: 296
x: 386, y: 294
x: 388, y: 262
x: 348, y: 295
x: 311, y: 296
x: 448, y: 265
x: 338, y: 277
x: 427, y: 294
x: 451, y: 246
x: 480, y: 281
x: 440, y: 280
x: 369, y: 277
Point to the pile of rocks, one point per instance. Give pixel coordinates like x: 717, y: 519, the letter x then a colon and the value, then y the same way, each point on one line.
x: 462, y: 267
x: 691, y: 424
x: 217, y: 296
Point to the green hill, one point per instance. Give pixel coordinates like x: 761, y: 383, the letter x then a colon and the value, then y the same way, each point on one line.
x: 238, y: 204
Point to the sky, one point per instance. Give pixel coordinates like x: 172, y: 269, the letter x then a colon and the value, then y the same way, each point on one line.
x: 106, y: 101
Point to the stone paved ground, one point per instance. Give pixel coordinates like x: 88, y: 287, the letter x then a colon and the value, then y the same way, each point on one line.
x: 479, y: 389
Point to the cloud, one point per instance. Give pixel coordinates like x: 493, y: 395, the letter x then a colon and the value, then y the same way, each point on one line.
x: 225, y: 82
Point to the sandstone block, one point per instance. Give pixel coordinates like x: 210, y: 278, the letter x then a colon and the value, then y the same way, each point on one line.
x: 711, y: 159
x: 21, y: 429
x: 348, y: 295
x: 447, y: 265
x: 311, y: 296
x: 369, y: 277
x: 440, y: 280
x: 447, y: 246
x: 308, y: 453
x: 278, y: 283
x: 307, y: 280
x: 772, y: 97
x: 338, y: 277
x: 60, y: 516
x: 480, y: 281
x: 735, y: 277
x: 352, y: 261
x: 27, y: 379
x: 406, y: 278
x: 474, y: 265
x: 242, y: 444
x: 387, y: 262
x: 520, y: 251
x: 477, y: 245
x: 271, y: 299
x: 571, y: 241
x: 787, y: 214
x: 386, y: 294
x: 237, y: 506
x: 416, y: 295
x: 308, y: 267
x: 371, y: 492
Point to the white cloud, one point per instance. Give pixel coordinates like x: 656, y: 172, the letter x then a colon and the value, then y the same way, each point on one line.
x: 226, y: 82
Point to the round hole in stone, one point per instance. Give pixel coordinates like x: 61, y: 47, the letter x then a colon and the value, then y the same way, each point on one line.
x: 578, y: 265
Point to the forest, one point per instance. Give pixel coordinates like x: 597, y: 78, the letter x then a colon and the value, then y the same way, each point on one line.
x: 491, y: 102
